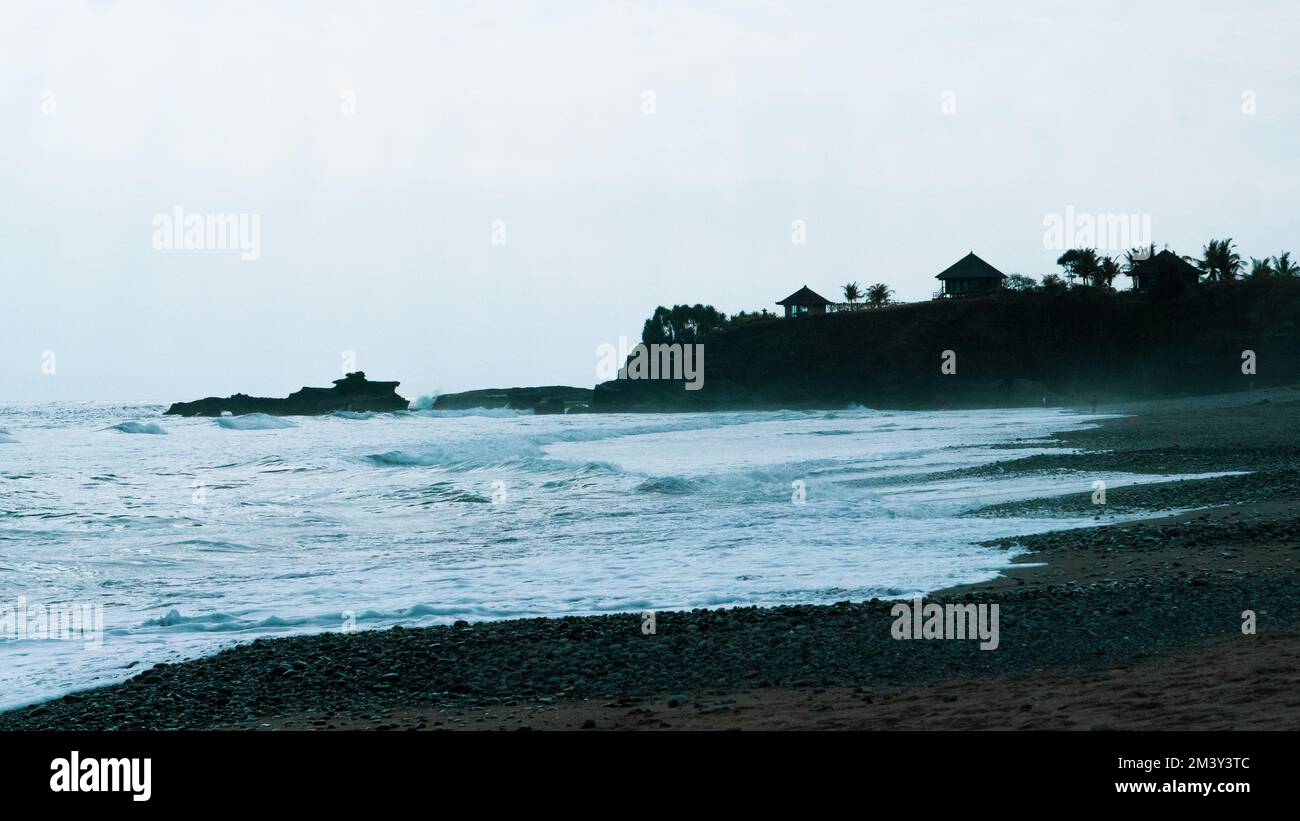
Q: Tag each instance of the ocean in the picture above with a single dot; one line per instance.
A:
(189, 535)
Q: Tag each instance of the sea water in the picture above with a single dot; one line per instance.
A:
(193, 534)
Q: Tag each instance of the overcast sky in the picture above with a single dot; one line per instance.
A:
(622, 155)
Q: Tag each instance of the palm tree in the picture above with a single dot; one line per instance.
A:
(1219, 262)
(1261, 268)
(1284, 267)
(879, 294)
(1080, 263)
(1107, 271)
(852, 294)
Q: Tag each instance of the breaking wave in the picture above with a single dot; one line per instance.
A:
(341, 414)
(671, 485)
(138, 427)
(222, 622)
(254, 421)
(528, 451)
(471, 454)
(494, 413)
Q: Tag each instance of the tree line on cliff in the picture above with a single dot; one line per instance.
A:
(1087, 268)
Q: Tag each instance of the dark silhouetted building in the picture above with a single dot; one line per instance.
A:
(1166, 271)
(970, 276)
(804, 302)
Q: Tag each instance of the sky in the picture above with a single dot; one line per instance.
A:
(480, 194)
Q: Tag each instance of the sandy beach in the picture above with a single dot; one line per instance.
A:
(1133, 625)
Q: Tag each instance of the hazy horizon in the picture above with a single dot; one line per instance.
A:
(470, 197)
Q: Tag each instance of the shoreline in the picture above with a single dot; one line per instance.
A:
(1211, 687)
(1138, 601)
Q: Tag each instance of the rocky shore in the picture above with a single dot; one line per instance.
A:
(1126, 625)
(351, 393)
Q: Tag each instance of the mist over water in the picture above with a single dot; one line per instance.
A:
(197, 533)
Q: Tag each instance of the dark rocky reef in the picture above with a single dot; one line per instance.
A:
(548, 399)
(352, 393)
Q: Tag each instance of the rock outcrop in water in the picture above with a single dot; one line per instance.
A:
(548, 399)
(352, 393)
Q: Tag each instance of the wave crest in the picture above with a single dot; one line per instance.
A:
(138, 427)
(672, 485)
(343, 414)
(254, 421)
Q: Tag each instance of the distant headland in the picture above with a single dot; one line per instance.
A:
(1188, 326)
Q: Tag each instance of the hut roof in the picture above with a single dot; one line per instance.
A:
(1167, 262)
(805, 296)
(971, 267)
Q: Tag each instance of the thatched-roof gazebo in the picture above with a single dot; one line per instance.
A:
(970, 275)
(1166, 271)
(804, 302)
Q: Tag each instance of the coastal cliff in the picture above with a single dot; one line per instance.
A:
(352, 393)
(1010, 349)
